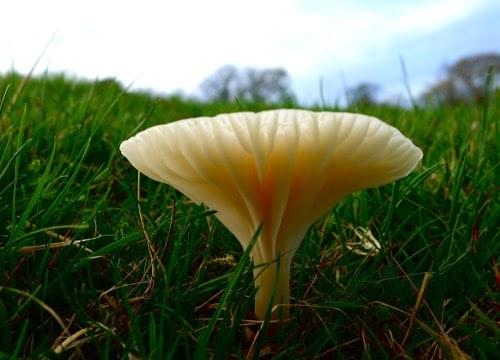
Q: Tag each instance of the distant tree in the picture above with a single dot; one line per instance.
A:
(222, 85)
(443, 92)
(252, 85)
(464, 80)
(267, 85)
(364, 93)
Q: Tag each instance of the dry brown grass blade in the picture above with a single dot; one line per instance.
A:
(449, 344)
(153, 255)
(434, 317)
(170, 231)
(442, 336)
(418, 302)
(66, 343)
(40, 303)
(62, 241)
(251, 351)
(55, 245)
(209, 301)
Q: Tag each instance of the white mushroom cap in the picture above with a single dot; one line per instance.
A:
(279, 168)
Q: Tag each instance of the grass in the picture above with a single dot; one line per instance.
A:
(97, 264)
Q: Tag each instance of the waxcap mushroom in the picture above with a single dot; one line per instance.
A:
(279, 168)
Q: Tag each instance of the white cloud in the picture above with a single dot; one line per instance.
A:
(168, 45)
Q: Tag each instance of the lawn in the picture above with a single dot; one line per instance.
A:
(97, 262)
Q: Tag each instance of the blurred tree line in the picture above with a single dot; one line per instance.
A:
(464, 81)
(252, 85)
(461, 82)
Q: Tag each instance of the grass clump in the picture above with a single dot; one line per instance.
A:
(96, 263)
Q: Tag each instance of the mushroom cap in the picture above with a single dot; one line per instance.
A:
(283, 168)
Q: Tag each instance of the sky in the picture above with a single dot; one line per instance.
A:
(171, 46)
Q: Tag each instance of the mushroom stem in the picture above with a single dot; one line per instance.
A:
(272, 281)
